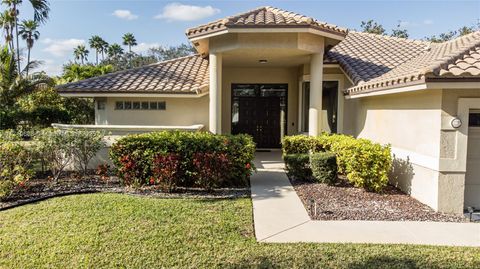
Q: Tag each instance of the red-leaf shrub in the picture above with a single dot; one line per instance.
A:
(211, 168)
(141, 151)
(167, 171)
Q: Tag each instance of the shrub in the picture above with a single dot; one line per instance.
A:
(324, 167)
(167, 171)
(298, 166)
(56, 149)
(85, 145)
(15, 162)
(211, 169)
(139, 151)
(301, 144)
(9, 135)
(365, 163)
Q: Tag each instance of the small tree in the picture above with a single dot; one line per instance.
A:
(56, 148)
(372, 27)
(85, 146)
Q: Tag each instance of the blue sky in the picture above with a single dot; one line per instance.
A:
(154, 23)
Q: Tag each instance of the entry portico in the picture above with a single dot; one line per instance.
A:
(265, 38)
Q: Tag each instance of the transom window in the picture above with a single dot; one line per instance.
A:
(129, 105)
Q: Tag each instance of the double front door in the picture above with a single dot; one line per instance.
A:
(260, 111)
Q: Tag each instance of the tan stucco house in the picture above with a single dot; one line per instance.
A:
(270, 73)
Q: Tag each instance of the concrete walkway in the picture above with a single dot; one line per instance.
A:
(280, 217)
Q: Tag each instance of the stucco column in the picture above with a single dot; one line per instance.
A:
(215, 93)
(316, 88)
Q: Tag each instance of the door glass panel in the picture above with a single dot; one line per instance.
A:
(474, 120)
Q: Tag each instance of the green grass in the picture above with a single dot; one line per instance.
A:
(114, 230)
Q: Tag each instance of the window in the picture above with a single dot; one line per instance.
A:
(162, 105)
(119, 105)
(101, 105)
(474, 119)
(329, 104)
(136, 105)
(128, 105)
(153, 105)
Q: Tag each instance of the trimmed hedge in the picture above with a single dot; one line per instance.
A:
(192, 156)
(298, 166)
(365, 163)
(324, 167)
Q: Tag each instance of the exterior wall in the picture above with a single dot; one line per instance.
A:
(260, 75)
(410, 123)
(179, 112)
(454, 145)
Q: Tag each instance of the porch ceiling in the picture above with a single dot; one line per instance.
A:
(275, 57)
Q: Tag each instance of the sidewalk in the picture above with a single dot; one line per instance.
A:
(280, 217)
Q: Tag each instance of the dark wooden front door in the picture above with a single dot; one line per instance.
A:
(260, 118)
(259, 115)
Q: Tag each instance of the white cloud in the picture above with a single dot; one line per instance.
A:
(61, 47)
(124, 14)
(428, 22)
(143, 47)
(181, 12)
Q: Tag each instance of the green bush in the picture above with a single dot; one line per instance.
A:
(324, 167)
(15, 165)
(59, 148)
(9, 135)
(365, 163)
(298, 166)
(134, 155)
(300, 144)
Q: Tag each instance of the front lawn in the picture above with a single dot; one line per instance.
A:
(117, 230)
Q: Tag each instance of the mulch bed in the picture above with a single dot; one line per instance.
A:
(41, 189)
(342, 201)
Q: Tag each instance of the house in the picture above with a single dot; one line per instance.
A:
(270, 73)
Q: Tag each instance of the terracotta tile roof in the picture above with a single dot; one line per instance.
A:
(264, 17)
(455, 58)
(366, 56)
(186, 75)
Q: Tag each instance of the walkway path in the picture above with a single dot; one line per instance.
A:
(280, 217)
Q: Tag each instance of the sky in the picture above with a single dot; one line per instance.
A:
(163, 23)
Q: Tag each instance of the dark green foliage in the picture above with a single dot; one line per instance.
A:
(298, 166)
(134, 155)
(324, 167)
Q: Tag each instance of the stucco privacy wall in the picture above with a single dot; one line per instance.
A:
(410, 123)
(260, 75)
(179, 112)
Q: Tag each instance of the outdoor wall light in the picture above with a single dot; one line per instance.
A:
(456, 122)
(262, 61)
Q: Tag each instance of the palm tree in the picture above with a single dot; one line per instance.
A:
(104, 48)
(114, 50)
(97, 44)
(41, 10)
(29, 33)
(14, 84)
(129, 40)
(6, 22)
(81, 53)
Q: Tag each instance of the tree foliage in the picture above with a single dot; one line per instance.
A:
(172, 52)
(372, 27)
